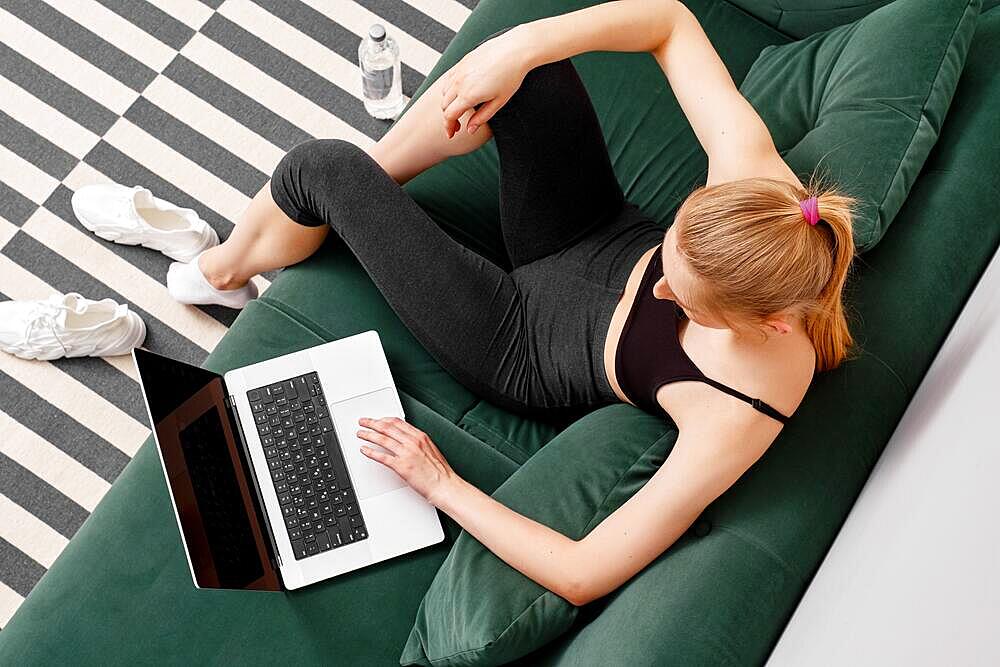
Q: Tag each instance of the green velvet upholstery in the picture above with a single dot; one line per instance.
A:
(817, 92)
(479, 610)
(121, 594)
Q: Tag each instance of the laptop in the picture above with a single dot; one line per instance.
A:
(263, 465)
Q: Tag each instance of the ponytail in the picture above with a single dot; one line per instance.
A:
(757, 254)
(826, 322)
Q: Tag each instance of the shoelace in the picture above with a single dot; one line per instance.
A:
(40, 315)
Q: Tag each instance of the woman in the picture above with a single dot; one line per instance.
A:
(742, 294)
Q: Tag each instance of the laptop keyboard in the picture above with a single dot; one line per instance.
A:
(306, 464)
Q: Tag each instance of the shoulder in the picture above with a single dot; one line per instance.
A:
(760, 161)
(779, 376)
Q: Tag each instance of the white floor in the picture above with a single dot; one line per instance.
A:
(913, 578)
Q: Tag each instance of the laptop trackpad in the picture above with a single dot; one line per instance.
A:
(370, 477)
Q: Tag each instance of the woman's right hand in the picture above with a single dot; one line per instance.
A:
(489, 75)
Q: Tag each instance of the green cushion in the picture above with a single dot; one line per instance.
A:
(478, 609)
(866, 101)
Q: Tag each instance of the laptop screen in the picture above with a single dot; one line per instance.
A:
(206, 473)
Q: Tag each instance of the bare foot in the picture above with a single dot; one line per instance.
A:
(218, 278)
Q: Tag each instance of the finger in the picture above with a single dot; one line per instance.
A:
(406, 426)
(455, 110)
(446, 82)
(448, 95)
(376, 455)
(451, 128)
(483, 114)
(379, 439)
(389, 427)
(415, 434)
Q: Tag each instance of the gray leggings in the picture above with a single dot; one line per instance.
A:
(530, 340)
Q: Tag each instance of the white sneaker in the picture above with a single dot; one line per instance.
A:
(133, 216)
(68, 325)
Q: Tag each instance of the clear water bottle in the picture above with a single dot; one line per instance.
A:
(378, 56)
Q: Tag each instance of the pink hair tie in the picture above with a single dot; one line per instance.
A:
(810, 209)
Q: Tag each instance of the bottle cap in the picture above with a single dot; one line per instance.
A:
(377, 32)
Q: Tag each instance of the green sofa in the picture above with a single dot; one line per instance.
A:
(121, 591)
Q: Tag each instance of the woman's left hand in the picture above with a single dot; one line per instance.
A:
(411, 454)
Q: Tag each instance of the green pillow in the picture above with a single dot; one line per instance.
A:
(479, 610)
(865, 101)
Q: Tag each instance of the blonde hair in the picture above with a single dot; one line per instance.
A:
(755, 254)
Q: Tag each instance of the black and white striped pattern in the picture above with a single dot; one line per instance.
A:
(196, 100)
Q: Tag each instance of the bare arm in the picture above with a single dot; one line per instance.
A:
(735, 138)
(703, 464)
(623, 25)
(729, 129)
(491, 73)
(731, 132)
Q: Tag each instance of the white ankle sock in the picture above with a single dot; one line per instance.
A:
(188, 284)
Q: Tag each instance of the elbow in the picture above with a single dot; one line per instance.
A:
(577, 583)
(577, 591)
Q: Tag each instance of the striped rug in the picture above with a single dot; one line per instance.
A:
(197, 101)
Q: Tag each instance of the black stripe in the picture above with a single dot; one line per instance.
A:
(36, 496)
(35, 413)
(82, 42)
(332, 35)
(65, 276)
(471, 4)
(55, 92)
(293, 74)
(153, 20)
(214, 4)
(197, 147)
(237, 105)
(14, 206)
(413, 21)
(17, 569)
(35, 148)
(107, 381)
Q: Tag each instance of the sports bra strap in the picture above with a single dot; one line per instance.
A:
(755, 402)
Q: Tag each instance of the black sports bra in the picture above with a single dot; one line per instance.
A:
(649, 351)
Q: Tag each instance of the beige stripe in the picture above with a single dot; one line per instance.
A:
(71, 478)
(10, 600)
(272, 94)
(214, 124)
(190, 12)
(84, 174)
(25, 177)
(7, 231)
(445, 12)
(88, 252)
(117, 31)
(295, 44)
(29, 534)
(358, 20)
(45, 120)
(78, 401)
(63, 63)
(170, 165)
